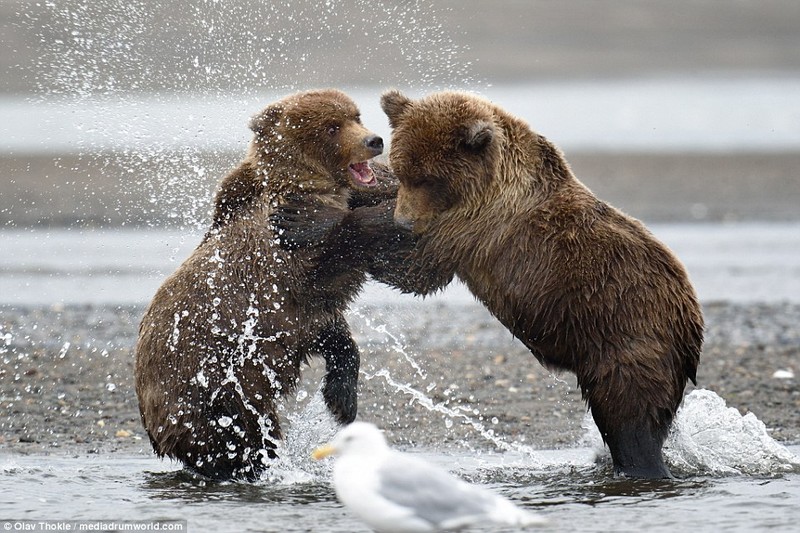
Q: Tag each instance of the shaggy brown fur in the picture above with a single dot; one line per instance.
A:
(225, 335)
(585, 287)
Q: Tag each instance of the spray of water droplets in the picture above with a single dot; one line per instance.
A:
(99, 54)
(409, 382)
(110, 47)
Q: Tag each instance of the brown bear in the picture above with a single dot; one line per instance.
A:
(225, 335)
(585, 287)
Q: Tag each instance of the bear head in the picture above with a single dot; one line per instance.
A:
(316, 133)
(445, 151)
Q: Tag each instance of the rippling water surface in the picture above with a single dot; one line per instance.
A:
(569, 490)
(731, 476)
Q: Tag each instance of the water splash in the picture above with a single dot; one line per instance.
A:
(395, 342)
(460, 413)
(111, 47)
(709, 438)
(306, 428)
(95, 54)
(416, 387)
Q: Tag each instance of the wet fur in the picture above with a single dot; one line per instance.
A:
(225, 335)
(585, 287)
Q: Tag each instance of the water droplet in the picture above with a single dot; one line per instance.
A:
(63, 353)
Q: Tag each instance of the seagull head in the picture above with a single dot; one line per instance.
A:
(358, 437)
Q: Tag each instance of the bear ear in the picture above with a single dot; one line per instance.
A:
(394, 104)
(478, 135)
(267, 120)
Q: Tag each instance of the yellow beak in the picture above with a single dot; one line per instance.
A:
(323, 451)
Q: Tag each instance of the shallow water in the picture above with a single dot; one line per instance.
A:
(563, 485)
(731, 476)
(690, 113)
(742, 262)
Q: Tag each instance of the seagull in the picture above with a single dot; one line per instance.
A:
(397, 492)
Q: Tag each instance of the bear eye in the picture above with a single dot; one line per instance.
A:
(333, 129)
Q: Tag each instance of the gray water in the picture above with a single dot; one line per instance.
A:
(736, 262)
(562, 485)
(662, 114)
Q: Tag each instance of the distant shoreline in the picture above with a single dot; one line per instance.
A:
(648, 114)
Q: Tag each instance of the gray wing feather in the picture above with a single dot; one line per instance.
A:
(432, 494)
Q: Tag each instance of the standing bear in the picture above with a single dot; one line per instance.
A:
(585, 287)
(225, 335)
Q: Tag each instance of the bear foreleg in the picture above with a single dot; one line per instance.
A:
(342, 361)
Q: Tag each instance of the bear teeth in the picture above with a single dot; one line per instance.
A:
(362, 174)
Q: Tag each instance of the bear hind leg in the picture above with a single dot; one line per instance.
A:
(633, 427)
(232, 442)
(635, 448)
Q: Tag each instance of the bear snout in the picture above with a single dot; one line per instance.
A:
(374, 143)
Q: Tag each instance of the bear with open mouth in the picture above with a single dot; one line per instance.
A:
(225, 335)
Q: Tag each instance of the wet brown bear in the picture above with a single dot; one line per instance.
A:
(585, 287)
(225, 335)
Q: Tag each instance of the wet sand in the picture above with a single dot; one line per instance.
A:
(67, 384)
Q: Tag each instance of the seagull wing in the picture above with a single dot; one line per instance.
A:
(431, 493)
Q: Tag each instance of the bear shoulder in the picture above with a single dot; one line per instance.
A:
(237, 192)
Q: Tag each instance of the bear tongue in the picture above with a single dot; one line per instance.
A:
(362, 174)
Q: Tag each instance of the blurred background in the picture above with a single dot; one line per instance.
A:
(119, 114)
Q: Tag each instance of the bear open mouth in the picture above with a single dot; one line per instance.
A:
(362, 174)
